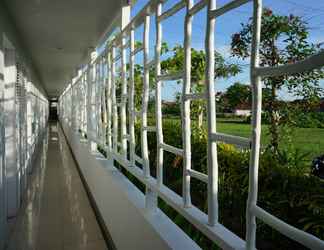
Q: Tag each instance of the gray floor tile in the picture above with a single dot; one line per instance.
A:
(56, 213)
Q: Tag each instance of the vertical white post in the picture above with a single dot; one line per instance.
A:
(96, 83)
(123, 98)
(186, 127)
(131, 108)
(211, 118)
(150, 195)
(158, 101)
(85, 89)
(73, 104)
(256, 125)
(104, 101)
(114, 101)
(145, 98)
(101, 102)
(84, 96)
(89, 115)
(109, 98)
(125, 17)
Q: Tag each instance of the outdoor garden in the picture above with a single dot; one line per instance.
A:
(292, 134)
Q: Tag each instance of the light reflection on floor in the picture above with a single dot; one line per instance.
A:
(56, 213)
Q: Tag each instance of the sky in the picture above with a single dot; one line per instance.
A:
(312, 11)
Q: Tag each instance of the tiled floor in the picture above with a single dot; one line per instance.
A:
(56, 213)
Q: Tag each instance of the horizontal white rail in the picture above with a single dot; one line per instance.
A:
(121, 160)
(231, 139)
(137, 50)
(150, 129)
(171, 76)
(291, 232)
(171, 149)
(197, 7)
(218, 233)
(194, 96)
(138, 113)
(117, 58)
(228, 7)
(313, 62)
(174, 9)
(115, 127)
(127, 137)
(150, 63)
(198, 175)
(138, 159)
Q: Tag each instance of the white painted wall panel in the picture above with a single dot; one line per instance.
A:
(12, 171)
(3, 203)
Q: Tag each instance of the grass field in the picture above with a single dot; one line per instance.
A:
(307, 140)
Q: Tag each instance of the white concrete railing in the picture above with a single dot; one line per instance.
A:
(81, 103)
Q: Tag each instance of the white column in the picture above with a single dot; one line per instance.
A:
(114, 102)
(256, 125)
(131, 95)
(186, 122)
(109, 103)
(211, 118)
(158, 99)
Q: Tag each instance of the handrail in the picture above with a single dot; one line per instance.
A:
(102, 89)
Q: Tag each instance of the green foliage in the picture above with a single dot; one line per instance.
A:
(286, 189)
(283, 41)
(264, 119)
(238, 94)
(309, 120)
(175, 63)
(171, 109)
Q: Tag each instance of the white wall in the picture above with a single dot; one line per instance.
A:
(242, 112)
(12, 168)
(10, 186)
(3, 204)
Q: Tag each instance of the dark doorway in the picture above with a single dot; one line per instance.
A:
(53, 110)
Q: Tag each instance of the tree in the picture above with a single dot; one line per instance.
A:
(238, 94)
(175, 63)
(283, 41)
(138, 78)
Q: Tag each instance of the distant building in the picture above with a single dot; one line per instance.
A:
(243, 109)
(168, 103)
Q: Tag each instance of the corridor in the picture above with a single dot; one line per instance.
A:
(56, 213)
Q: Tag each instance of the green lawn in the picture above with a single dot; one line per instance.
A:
(308, 140)
(305, 139)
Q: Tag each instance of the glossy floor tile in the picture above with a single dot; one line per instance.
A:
(56, 213)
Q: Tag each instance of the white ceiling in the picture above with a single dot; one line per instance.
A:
(59, 34)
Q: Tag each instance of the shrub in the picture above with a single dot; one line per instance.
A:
(265, 119)
(171, 109)
(285, 190)
(309, 120)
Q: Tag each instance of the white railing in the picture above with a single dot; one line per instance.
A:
(93, 104)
